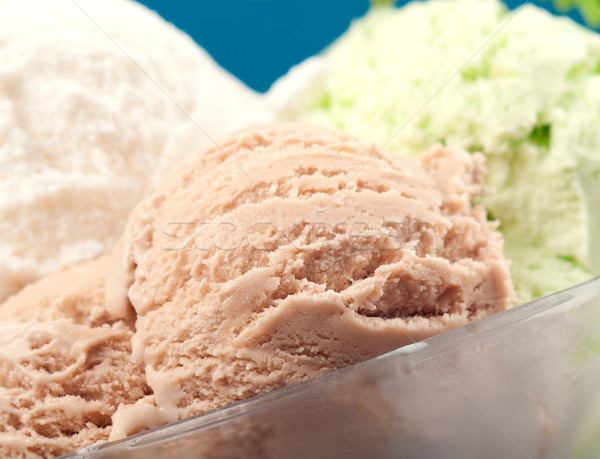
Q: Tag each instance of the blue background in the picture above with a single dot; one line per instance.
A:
(259, 40)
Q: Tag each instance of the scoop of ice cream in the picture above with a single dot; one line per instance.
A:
(291, 251)
(97, 100)
(65, 365)
(522, 87)
(589, 9)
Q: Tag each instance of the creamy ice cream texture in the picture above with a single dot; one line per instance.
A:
(291, 251)
(286, 252)
(65, 365)
(94, 106)
(522, 87)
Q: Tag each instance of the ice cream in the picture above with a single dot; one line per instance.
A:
(65, 365)
(97, 101)
(293, 250)
(60, 384)
(523, 87)
(76, 294)
(589, 9)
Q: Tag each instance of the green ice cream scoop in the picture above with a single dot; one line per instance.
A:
(589, 9)
(521, 86)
